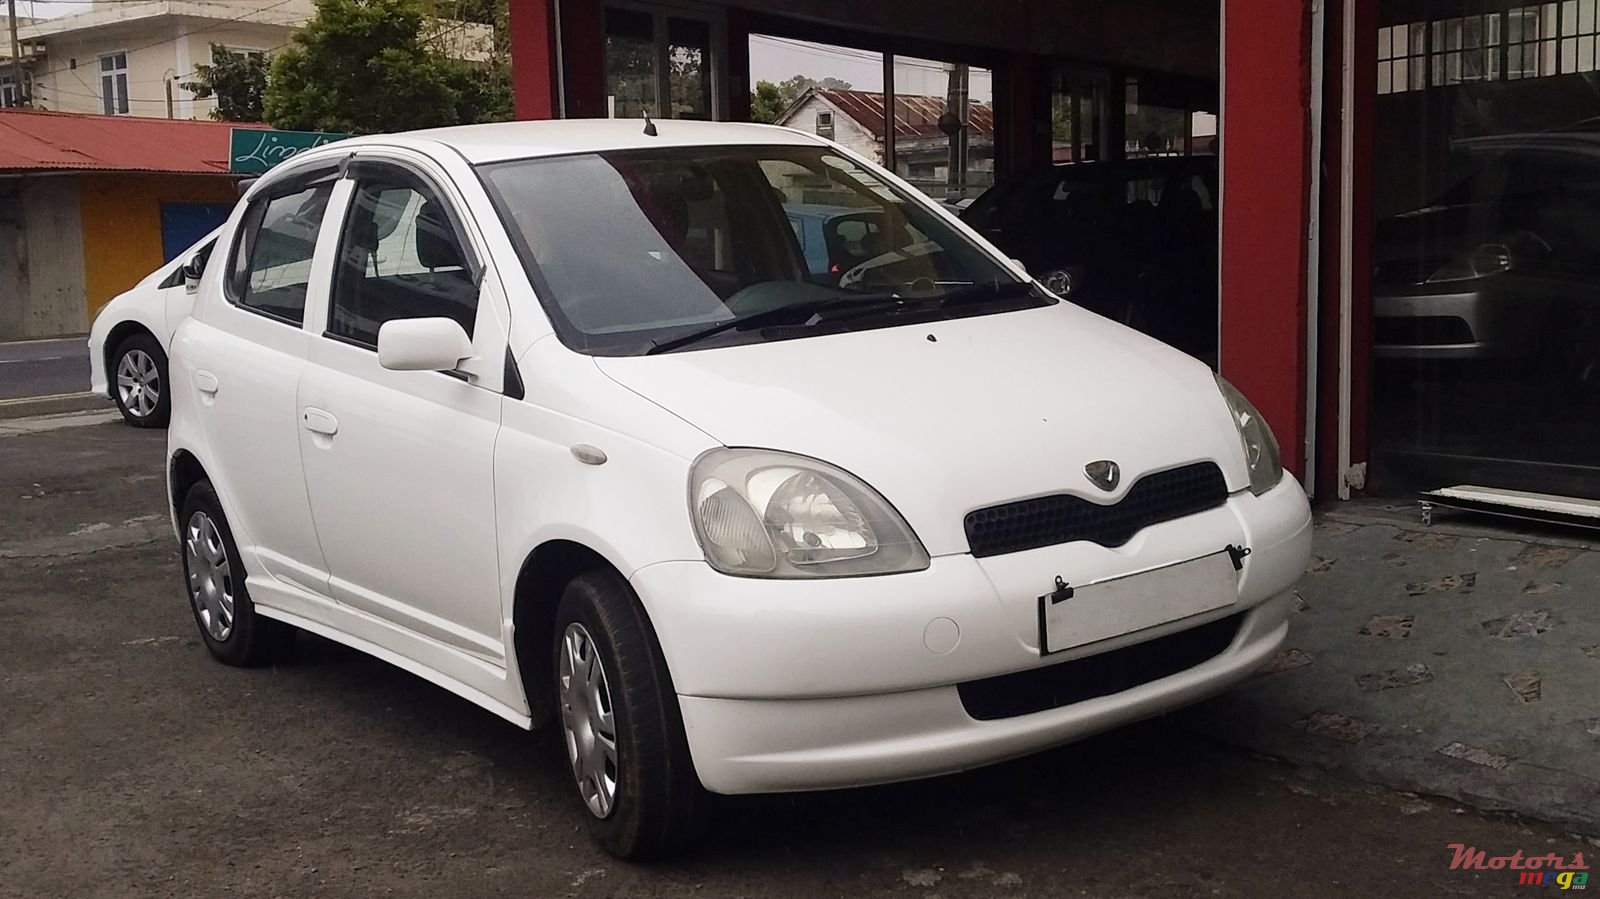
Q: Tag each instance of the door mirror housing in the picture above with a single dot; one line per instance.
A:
(423, 344)
(192, 270)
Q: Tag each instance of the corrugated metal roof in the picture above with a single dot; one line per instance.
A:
(36, 141)
(915, 115)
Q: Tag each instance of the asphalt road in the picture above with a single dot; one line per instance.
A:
(43, 368)
(133, 765)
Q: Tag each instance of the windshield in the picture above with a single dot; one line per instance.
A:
(633, 250)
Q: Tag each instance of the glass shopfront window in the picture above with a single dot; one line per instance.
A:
(944, 127)
(661, 62)
(1486, 276)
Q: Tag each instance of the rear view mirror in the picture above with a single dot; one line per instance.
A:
(423, 344)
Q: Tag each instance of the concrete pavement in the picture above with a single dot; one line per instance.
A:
(1460, 660)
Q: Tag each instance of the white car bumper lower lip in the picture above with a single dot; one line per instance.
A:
(758, 746)
(795, 685)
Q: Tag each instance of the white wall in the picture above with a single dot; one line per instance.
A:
(158, 49)
(846, 130)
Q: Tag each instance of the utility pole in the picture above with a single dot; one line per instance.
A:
(953, 123)
(16, 55)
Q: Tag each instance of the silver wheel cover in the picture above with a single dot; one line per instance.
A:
(588, 720)
(210, 576)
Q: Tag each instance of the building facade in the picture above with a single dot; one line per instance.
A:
(133, 58)
(89, 205)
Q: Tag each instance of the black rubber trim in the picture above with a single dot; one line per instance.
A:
(1065, 683)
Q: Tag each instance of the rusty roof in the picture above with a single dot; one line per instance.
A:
(915, 115)
(38, 141)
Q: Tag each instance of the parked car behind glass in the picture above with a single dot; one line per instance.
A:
(584, 435)
(1134, 240)
(1505, 265)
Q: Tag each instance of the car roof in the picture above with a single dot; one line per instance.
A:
(524, 140)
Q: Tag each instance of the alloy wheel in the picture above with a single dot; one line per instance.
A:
(588, 720)
(138, 383)
(210, 576)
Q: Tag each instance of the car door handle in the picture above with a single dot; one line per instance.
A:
(319, 422)
(206, 383)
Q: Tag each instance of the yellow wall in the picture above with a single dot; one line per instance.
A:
(122, 225)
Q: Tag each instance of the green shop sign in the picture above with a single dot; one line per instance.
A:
(252, 151)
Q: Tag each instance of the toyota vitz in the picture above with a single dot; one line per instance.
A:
(560, 417)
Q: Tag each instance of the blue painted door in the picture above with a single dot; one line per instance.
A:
(184, 223)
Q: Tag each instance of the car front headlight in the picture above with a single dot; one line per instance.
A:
(1479, 262)
(761, 513)
(1260, 447)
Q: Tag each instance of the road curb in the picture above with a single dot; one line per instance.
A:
(55, 404)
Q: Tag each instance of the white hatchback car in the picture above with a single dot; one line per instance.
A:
(557, 416)
(129, 338)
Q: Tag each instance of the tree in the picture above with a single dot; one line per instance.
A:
(236, 80)
(363, 66)
(790, 89)
(766, 103)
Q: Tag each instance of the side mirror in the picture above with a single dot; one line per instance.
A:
(422, 344)
(192, 270)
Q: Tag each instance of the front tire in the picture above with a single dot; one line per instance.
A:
(621, 725)
(214, 579)
(138, 372)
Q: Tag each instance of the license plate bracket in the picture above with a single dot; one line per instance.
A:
(1073, 615)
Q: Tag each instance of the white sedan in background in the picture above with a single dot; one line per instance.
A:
(129, 339)
(557, 416)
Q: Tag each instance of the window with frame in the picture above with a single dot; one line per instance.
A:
(400, 256)
(1577, 23)
(1402, 50)
(114, 84)
(1531, 41)
(271, 266)
(11, 93)
(825, 125)
(1465, 50)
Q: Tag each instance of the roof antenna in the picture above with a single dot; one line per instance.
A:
(649, 126)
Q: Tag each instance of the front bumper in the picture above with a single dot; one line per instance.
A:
(791, 685)
(1480, 323)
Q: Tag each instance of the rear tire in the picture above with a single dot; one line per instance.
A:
(642, 799)
(138, 376)
(214, 580)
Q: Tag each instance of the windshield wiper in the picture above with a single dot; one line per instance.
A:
(777, 314)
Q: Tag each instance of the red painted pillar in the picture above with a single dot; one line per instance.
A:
(533, 81)
(583, 52)
(1265, 187)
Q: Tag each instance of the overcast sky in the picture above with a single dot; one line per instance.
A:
(45, 9)
(776, 59)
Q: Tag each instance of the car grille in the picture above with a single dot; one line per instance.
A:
(1026, 692)
(1420, 330)
(1065, 518)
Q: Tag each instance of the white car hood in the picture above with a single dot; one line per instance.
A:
(947, 417)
